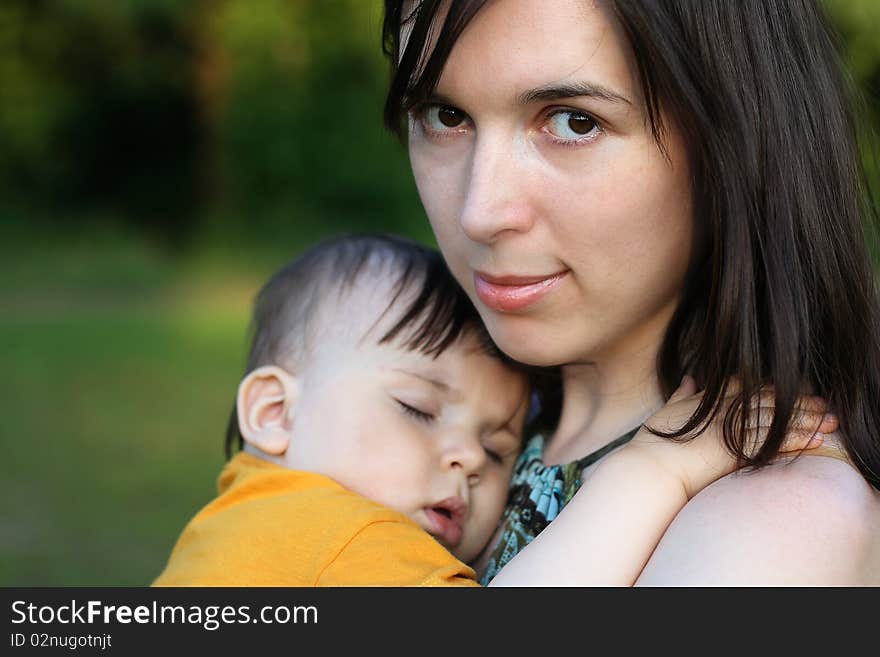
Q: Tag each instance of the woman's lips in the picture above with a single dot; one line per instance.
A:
(512, 293)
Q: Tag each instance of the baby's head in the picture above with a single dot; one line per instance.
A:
(369, 365)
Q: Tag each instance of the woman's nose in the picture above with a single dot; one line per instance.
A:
(497, 199)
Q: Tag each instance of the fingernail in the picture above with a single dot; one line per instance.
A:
(829, 418)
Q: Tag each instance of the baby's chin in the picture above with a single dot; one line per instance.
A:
(466, 551)
(464, 557)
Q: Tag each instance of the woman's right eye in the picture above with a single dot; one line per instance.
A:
(441, 120)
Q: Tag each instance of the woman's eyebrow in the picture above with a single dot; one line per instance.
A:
(434, 98)
(571, 90)
(550, 92)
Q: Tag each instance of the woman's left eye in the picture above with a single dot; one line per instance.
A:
(571, 125)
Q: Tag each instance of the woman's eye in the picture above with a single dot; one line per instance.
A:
(571, 125)
(439, 119)
(412, 411)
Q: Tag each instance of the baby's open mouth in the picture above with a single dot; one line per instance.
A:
(446, 520)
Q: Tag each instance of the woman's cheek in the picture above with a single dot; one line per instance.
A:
(428, 183)
(440, 191)
(454, 250)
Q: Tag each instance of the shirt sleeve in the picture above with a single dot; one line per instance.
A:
(393, 553)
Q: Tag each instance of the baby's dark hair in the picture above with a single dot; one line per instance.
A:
(288, 309)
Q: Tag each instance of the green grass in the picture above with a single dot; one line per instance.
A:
(121, 366)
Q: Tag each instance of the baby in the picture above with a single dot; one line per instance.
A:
(379, 426)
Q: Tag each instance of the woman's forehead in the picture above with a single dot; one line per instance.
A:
(512, 47)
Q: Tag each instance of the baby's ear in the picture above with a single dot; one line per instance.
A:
(265, 403)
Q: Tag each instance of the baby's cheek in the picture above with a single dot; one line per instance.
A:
(497, 498)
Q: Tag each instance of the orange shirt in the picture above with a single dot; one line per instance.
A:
(271, 526)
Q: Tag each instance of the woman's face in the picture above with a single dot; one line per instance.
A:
(549, 197)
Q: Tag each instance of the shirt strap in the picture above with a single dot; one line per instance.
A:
(591, 458)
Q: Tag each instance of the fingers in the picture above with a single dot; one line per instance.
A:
(814, 422)
(806, 431)
(809, 423)
(767, 399)
(811, 403)
(800, 439)
(810, 420)
(795, 440)
(809, 411)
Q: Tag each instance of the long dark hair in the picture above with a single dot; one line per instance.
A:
(780, 289)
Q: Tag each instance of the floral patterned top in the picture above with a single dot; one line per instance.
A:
(537, 494)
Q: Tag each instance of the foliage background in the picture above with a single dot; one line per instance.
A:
(158, 159)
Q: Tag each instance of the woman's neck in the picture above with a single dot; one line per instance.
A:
(603, 400)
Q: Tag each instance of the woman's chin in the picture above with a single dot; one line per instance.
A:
(528, 342)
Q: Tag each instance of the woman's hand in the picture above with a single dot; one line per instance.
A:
(705, 459)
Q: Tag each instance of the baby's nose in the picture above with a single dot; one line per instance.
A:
(468, 456)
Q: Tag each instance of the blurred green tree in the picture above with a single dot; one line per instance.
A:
(300, 141)
(229, 120)
(98, 114)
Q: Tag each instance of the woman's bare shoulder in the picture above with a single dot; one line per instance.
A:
(811, 520)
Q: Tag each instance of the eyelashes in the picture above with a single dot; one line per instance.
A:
(495, 456)
(443, 116)
(439, 122)
(571, 126)
(412, 411)
(428, 418)
(562, 126)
